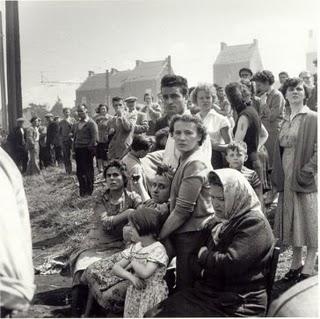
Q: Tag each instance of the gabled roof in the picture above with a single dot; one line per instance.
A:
(236, 53)
(142, 71)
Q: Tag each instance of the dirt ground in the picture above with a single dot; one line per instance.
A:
(60, 219)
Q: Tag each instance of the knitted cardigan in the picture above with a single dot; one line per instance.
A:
(305, 159)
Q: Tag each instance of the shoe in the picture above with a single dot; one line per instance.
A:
(303, 277)
(293, 274)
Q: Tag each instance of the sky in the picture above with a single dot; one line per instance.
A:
(63, 40)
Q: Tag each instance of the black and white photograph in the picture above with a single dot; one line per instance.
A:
(158, 158)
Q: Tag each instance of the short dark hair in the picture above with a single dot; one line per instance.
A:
(284, 73)
(147, 94)
(190, 119)
(102, 105)
(34, 118)
(117, 99)
(146, 221)
(121, 167)
(140, 143)
(82, 105)
(237, 146)
(171, 80)
(214, 179)
(245, 69)
(264, 76)
(66, 109)
(293, 82)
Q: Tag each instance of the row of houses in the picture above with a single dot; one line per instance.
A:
(146, 76)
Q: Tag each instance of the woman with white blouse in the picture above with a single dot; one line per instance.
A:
(217, 125)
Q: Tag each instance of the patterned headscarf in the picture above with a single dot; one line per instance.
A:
(239, 196)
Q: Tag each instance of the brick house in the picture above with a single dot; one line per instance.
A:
(101, 87)
(232, 58)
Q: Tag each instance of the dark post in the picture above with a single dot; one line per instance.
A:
(2, 81)
(108, 97)
(13, 63)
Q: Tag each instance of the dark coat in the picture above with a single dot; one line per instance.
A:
(239, 261)
(17, 139)
(162, 122)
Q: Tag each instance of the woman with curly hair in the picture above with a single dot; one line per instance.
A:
(106, 234)
(272, 106)
(294, 176)
(190, 202)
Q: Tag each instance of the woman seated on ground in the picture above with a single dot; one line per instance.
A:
(105, 237)
(232, 266)
(217, 125)
(107, 289)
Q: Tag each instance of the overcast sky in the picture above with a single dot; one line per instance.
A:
(65, 39)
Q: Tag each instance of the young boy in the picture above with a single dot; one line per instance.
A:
(236, 155)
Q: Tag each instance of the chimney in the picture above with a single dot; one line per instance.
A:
(169, 64)
(138, 63)
(255, 42)
(113, 71)
(90, 73)
(223, 45)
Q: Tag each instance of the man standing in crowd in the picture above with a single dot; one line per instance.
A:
(65, 132)
(282, 77)
(121, 130)
(17, 140)
(58, 143)
(85, 141)
(138, 118)
(152, 111)
(312, 102)
(245, 75)
(52, 132)
(16, 268)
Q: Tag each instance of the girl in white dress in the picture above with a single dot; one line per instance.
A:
(143, 264)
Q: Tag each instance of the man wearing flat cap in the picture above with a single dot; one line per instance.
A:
(139, 119)
(17, 140)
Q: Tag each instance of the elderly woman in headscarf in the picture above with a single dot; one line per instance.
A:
(232, 265)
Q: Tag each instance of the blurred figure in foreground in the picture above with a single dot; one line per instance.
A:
(16, 268)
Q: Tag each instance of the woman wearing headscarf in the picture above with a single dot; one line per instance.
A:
(232, 266)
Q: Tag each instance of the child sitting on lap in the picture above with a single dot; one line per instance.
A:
(143, 264)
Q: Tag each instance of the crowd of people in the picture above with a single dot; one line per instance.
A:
(189, 181)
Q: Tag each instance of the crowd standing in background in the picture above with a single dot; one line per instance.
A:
(190, 181)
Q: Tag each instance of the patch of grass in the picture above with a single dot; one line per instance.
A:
(56, 210)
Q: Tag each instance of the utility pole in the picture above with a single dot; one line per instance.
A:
(13, 63)
(2, 81)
